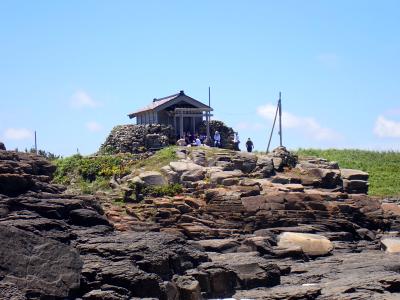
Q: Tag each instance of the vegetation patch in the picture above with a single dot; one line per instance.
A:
(78, 168)
(164, 190)
(155, 162)
(383, 166)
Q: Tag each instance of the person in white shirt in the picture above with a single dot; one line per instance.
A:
(236, 141)
(217, 139)
(198, 141)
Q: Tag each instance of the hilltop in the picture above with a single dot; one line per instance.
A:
(192, 223)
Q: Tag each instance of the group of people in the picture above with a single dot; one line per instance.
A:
(200, 139)
(193, 139)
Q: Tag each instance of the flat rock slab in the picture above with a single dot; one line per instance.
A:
(39, 265)
(391, 245)
(312, 244)
(352, 174)
(218, 245)
(281, 292)
(182, 166)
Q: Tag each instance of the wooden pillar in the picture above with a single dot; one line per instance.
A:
(181, 126)
(193, 125)
(175, 129)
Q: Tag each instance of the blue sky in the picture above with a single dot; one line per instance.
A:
(71, 70)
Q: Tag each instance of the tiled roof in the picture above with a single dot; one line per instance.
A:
(156, 102)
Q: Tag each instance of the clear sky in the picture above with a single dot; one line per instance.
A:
(71, 70)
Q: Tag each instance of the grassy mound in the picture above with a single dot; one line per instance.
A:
(383, 167)
(89, 174)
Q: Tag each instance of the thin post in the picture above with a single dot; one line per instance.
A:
(208, 127)
(36, 144)
(273, 126)
(280, 119)
(209, 96)
(208, 117)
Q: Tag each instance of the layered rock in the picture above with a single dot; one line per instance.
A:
(225, 236)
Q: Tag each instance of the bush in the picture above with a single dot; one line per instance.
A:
(164, 190)
(91, 168)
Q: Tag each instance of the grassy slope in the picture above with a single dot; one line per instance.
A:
(383, 167)
(89, 174)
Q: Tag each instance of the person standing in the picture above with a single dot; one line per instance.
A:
(236, 141)
(249, 145)
(217, 139)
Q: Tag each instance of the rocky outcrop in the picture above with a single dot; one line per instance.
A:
(245, 227)
(58, 246)
(137, 138)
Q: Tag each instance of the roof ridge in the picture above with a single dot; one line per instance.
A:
(170, 96)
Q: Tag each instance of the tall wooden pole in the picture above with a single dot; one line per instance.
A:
(36, 144)
(208, 117)
(280, 118)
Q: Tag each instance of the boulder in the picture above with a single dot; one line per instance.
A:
(152, 178)
(2, 146)
(282, 158)
(171, 176)
(245, 162)
(264, 167)
(391, 244)
(183, 165)
(252, 271)
(188, 287)
(219, 176)
(311, 244)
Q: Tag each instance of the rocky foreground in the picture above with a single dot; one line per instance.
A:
(247, 227)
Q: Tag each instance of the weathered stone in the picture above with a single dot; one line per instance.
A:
(311, 244)
(352, 174)
(152, 178)
(355, 186)
(38, 265)
(2, 146)
(218, 177)
(281, 292)
(251, 270)
(230, 181)
(219, 245)
(264, 167)
(188, 287)
(171, 176)
(391, 245)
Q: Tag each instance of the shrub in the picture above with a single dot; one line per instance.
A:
(91, 168)
(164, 190)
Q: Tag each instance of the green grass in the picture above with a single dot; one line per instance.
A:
(155, 162)
(89, 174)
(383, 167)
